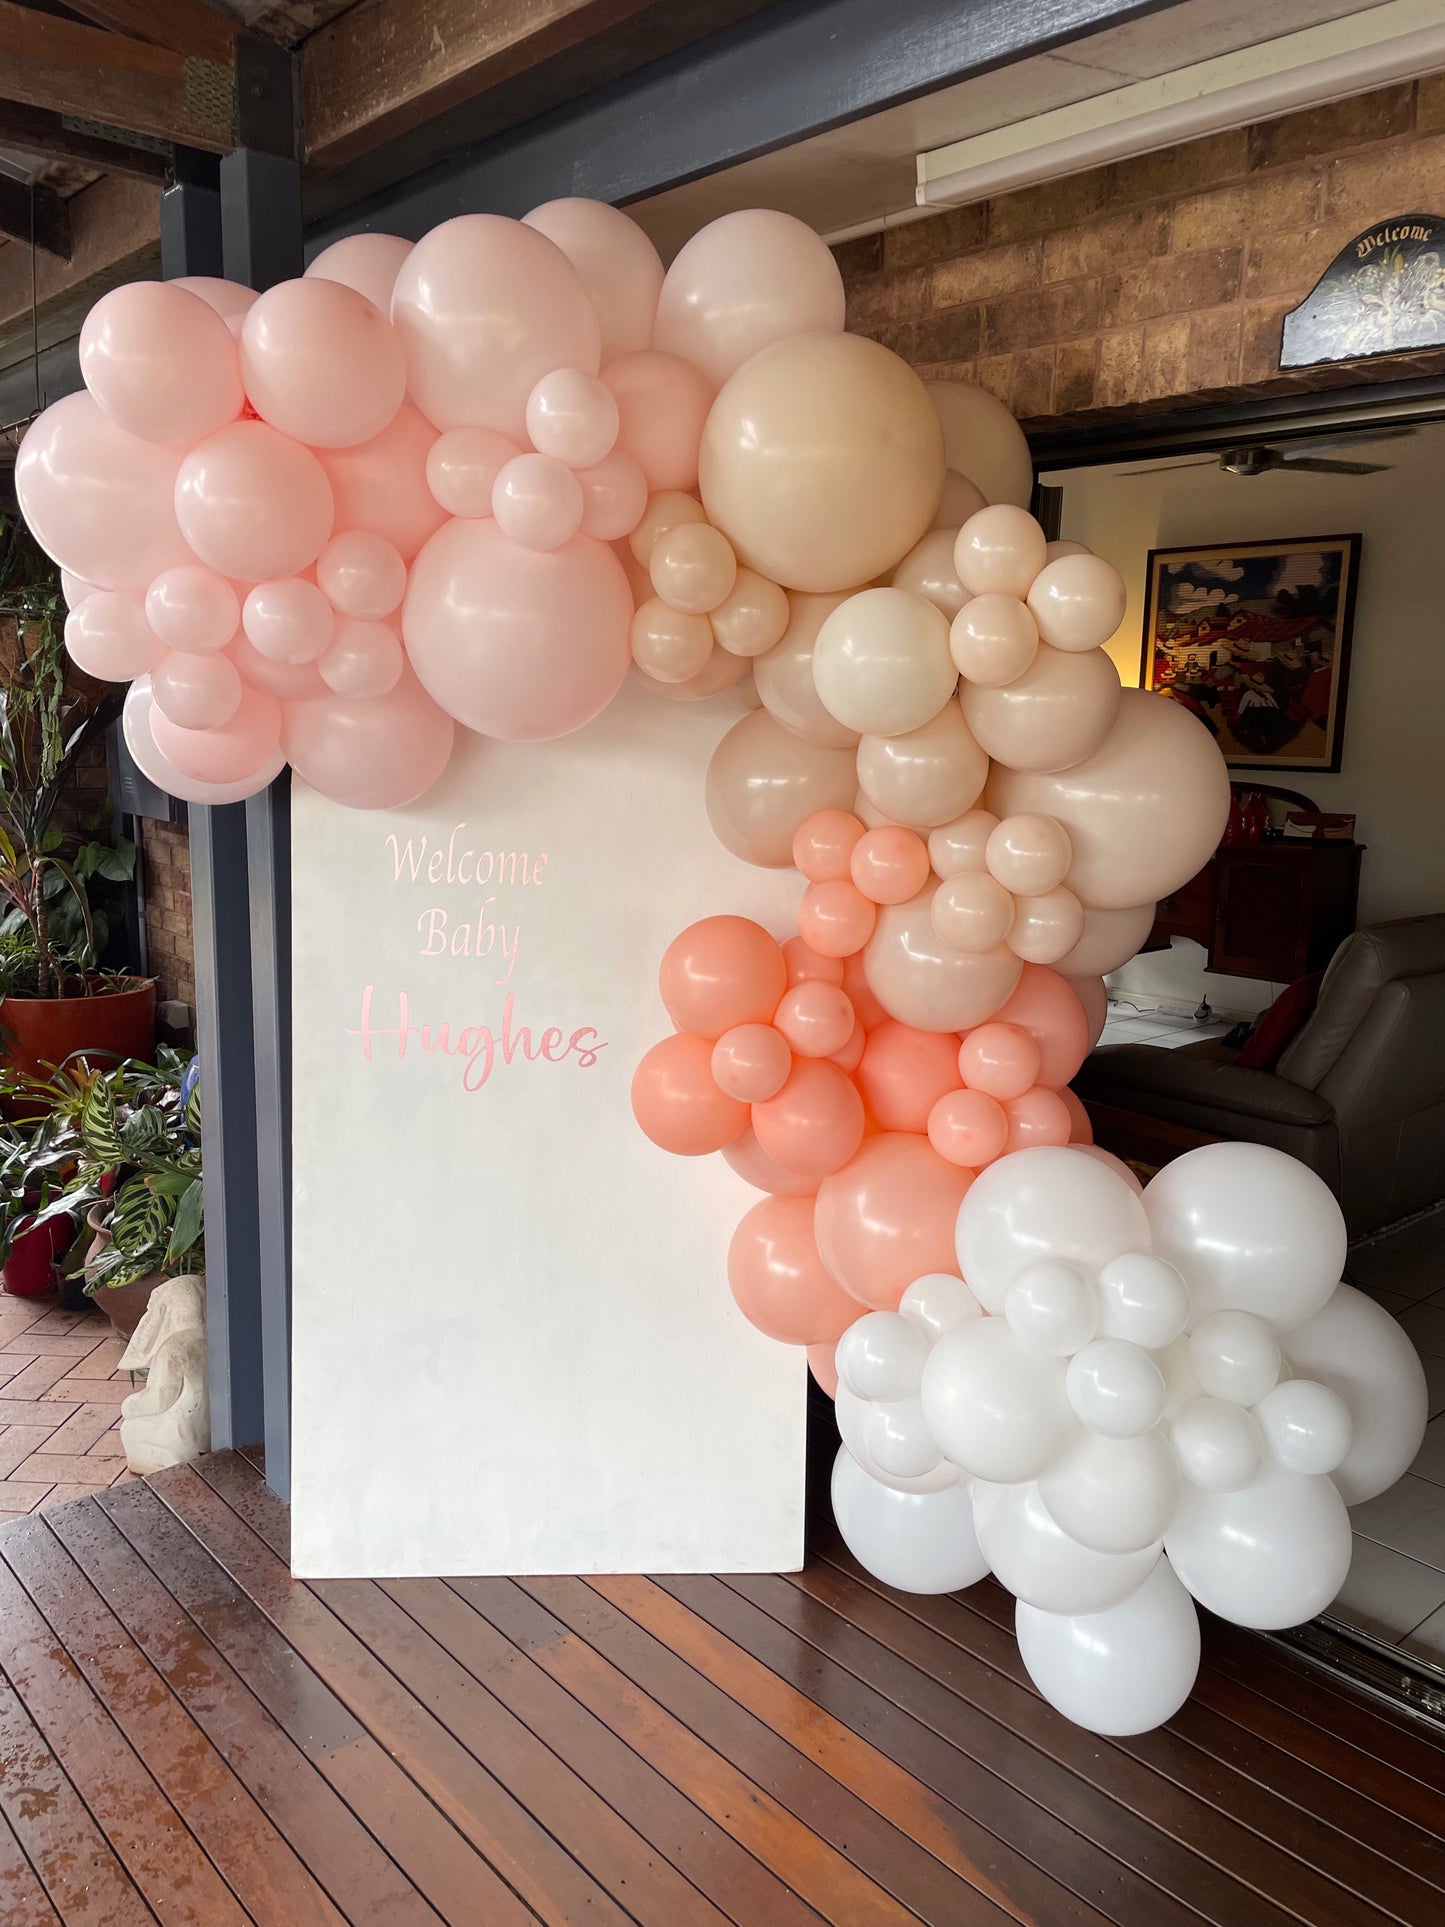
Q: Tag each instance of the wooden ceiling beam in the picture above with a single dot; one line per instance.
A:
(67, 68)
(32, 211)
(185, 26)
(35, 131)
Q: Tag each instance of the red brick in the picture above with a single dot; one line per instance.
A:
(36, 1376)
(94, 1391)
(936, 237)
(80, 1432)
(67, 1468)
(1250, 210)
(1172, 286)
(988, 272)
(1328, 130)
(1105, 246)
(22, 1411)
(18, 1442)
(23, 1495)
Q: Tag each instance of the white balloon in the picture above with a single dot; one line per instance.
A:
(852, 1416)
(1359, 1351)
(1250, 1228)
(881, 1356)
(1115, 1388)
(1271, 1555)
(1142, 1298)
(1123, 1670)
(1235, 1355)
(1306, 1426)
(1052, 1307)
(1180, 1384)
(881, 663)
(1041, 1564)
(938, 1302)
(1116, 1495)
(1218, 1445)
(898, 1439)
(996, 1410)
(917, 1541)
(1048, 1202)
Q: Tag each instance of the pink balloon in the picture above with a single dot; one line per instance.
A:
(746, 280)
(615, 262)
(160, 362)
(253, 503)
(369, 263)
(99, 502)
(290, 620)
(485, 307)
(228, 753)
(140, 741)
(108, 637)
(381, 485)
(572, 416)
(512, 642)
(193, 609)
(752, 1163)
(198, 692)
(662, 404)
(73, 590)
(361, 574)
(229, 299)
(374, 754)
(614, 495)
(287, 680)
(462, 467)
(362, 659)
(537, 501)
(321, 362)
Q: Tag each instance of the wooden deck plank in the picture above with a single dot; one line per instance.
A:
(22, 1898)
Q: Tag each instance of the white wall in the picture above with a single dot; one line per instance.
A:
(1393, 771)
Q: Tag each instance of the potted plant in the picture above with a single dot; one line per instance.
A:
(37, 1158)
(55, 996)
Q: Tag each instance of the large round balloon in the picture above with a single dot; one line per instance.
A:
(887, 1217)
(369, 263)
(1271, 1555)
(784, 676)
(1111, 938)
(321, 362)
(1058, 711)
(140, 741)
(615, 262)
(927, 776)
(374, 753)
(763, 783)
(780, 1283)
(1040, 1564)
(515, 642)
(881, 662)
(983, 441)
(746, 280)
(822, 461)
(918, 1541)
(1144, 811)
(920, 980)
(995, 1408)
(1120, 1671)
(1052, 1202)
(1359, 1351)
(161, 362)
(381, 485)
(253, 503)
(662, 404)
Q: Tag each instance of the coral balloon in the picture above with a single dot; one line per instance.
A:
(904, 1072)
(815, 1018)
(615, 262)
(362, 659)
(887, 1218)
(881, 662)
(321, 362)
(1036, 1117)
(662, 406)
(835, 918)
(999, 551)
(889, 865)
(922, 981)
(192, 609)
(198, 692)
(751, 1062)
(228, 752)
(1050, 1010)
(108, 637)
(1078, 601)
(377, 753)
(763, 783)
(744, 281)
(1001, 1060)
(753, 1165)
(780, 1283)
(824, 845)
(290, 621)
(381, 485)
(462, 467)
(160, 362)
(785, 676)
(573, 417)
(993, 640)
(253, 503)
(678, 1103)
(968, 1128)
(1059, 711)
(369, 263)
(926, 777)
(806, 965)
(361, 574)
(815, 1123)
(537, 502)
(720, 973)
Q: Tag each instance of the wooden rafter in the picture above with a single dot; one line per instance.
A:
(34, 211)
(35, 131)
(185, 26)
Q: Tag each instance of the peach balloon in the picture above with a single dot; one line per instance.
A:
(993, 640)
(983, 442)
(889, 865)
(669, 644)
(662, 406)
(961, 844)
(462, 467)
(927, 776)
(1051, 1011)
(192, 609)
(380, 753)
(1001, 1060)
(745, 281)
(160, 362)
(284, 679)
(815, 1123)
(321, 363)
(719, 673)
(968, 1128)
(1093, 994)
(1047, 926)
(572, 416)
(1109, 939)
(778, 1280)
(927, 571)
(109, 637)
(1038, 1116)
(822, 461)
(363, 658)
(903, 1072)
(806, 965)
(197, 692)
(888, 1217)
(381, 485)
(614, 495)
(720, 973)
(1081, 1129)
(253, 503)
(361, 574)
(692, 567)
(1144, 812)
(1078, 601)
(851, 1055)
(823, 1365)
(289, 620)
(752, 616)
(667, 510)
(1053, 716)
(823, 847)
(369, 263)
(1061, 546)
(484, 307)
(537, 502)
(881, 663)
(785, 675)
(835, 918)
(751, 1062)
(918, 979)
(972, 911)
(960, 499)
(615, 262)
(677, 1102)
(999, 551)
(752, 1163)
(228, 751)
(1029, 854)
(763, 783)
(869, 1011)
(816, 1019)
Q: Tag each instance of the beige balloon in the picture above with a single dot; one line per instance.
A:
(881, 662)
(1029, 854)
(752, 617)
(927, 570)
(1062, 545)
(1078, 601)
(721, 672)
(999, 551)
(1046, 927)
(1054, 715)
(1093, 994)
(668, 509)
(983, 441)
(692, 567)
(822, 461)
(959, 500)
(763, 783)
(926, 777)
(1144, 811)
(670, 644)
(870, 816)
(920, 980)
(971, 911)
(1110, 938)
(785, 675)
(993, 640)
(962, 844)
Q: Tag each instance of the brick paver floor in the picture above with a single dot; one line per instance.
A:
(60, 1397)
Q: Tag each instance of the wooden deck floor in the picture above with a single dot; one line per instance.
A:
(189, 1735)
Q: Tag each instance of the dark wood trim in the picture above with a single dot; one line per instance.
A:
(31, 211)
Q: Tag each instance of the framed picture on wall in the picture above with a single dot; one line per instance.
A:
(1254, 639)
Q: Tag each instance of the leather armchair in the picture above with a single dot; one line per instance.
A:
(1358, 1094)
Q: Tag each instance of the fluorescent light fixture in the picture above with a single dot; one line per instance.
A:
(1398, 41)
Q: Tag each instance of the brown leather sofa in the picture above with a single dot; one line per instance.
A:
(1358, 1094)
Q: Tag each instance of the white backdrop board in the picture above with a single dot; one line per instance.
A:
(514, 1346)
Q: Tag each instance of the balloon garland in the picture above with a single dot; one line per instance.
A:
(477, 480)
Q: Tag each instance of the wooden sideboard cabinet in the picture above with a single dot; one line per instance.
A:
(1275, 910)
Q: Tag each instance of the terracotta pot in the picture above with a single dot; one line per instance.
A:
(123, 1305)
(47, 1030)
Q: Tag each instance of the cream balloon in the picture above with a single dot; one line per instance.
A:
(927, 570)
(960, 499)
(926, 777)
(785, 675)
(753, 616)
(1110, 938)
(881, 662)
(999, 551)
(993, 640)
(615, 262)
(1029, 854)
(822, 461)
(1046, 927)
(972, 912)
(719, 674)
(983, 441)
(693, 567)
(763, 784)
(1060, 710)
(745, 281)
(962, 844)
(1078, 601)
(666, 510)
(921, 981)
(670, 644)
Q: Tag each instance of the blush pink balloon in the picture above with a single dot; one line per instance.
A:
(361, 574)
(968, 1128)
(369, 263)
(1036, 1117)
(140, 741)
(816, 1019)
(815, 1123)
(192, 609)
(1001, 1060)
(73, 591)
(252, 503)
(229, 299)
(288, 680)
(484, 308)
(289, 620)
(160, 362)
(198, 692)
(751, 1062)
(1048, 1007)
(108, 637)
(904, 1072)
(889, 865)
(615, 262)
(462, 467)
(321, 363)
(662, 404)
(512, 642)
(229, 752)
(888, 1217)
(752, 1163)
(573, 417)
(377, 753)
(100, 503)
(744, 281)
(614, 495)
(362, 658)
(381, 485)
(537, 501)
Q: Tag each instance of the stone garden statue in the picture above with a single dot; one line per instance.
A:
(169, 1420)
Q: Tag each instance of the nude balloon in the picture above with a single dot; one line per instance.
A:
(1052, 716)
(960, 499)
(1029, 854)
(160, 362)
(822, 461)
(1093, 994)
(484, 307)
(1046, 926)
(381, 484)
(927, 570)
(369, 263)
(376, 753)
(1144, 812)
(999, 551)
(972, 911)
(745, 281)
(927, 776)
(662, 405)
(669, 644)
(983, 441)
(321, 362)
(919, 980)
(881, 663)
(993, 640)
(753, 616)
(778, 1279)
(785, 675)
(692, 567)
(513, 642)
(140, 741)
(961, 844)
(888, 1217)
(1078, 601)
(462, 467)
(1109, 939)
(253, 503)
(721, 672)
(615, 262)
(763, 783)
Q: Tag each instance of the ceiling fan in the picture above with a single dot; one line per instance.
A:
(1258, 458)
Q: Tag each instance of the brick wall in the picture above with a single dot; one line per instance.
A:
(1158, 278)
(166, 854)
